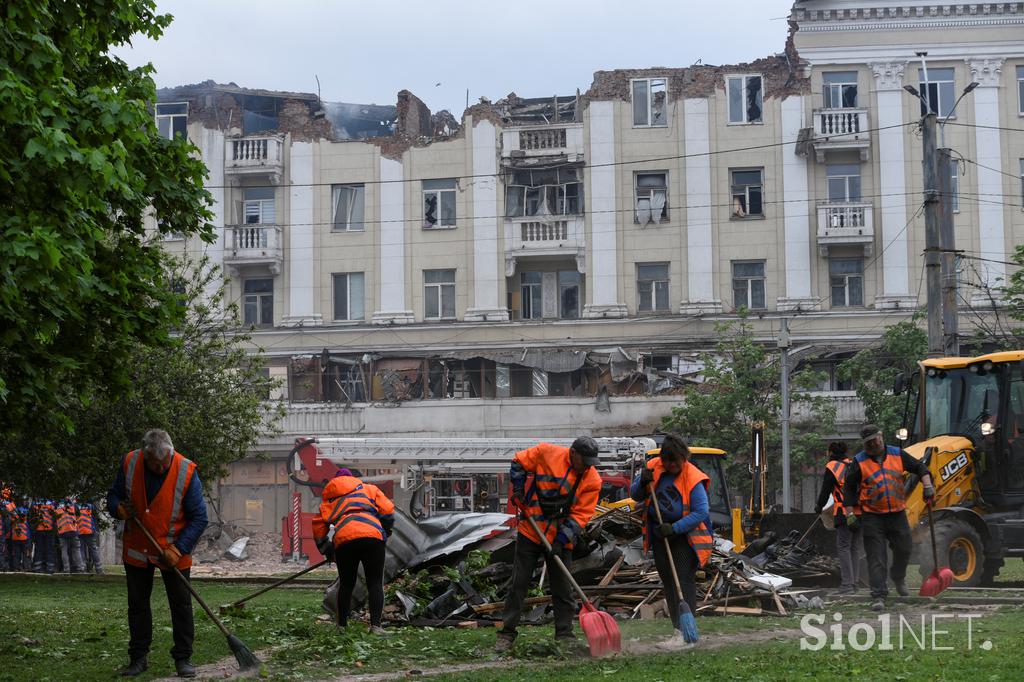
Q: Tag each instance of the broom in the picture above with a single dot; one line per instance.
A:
(687, 623)
(246, 658)
(939, 579)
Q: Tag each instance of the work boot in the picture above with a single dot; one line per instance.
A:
(136, 667)
(378, 630)
(503, 645)
(573, 646)
(184, 668)
(879, 605)
(901, 588)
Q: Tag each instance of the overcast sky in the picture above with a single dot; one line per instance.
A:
(366, 52)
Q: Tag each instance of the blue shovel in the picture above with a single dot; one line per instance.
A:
(687, 623)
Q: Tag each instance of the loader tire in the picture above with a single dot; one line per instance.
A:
(959, 546)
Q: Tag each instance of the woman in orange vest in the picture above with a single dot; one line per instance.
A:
(355, 521)
(849, 544)
(681, 490)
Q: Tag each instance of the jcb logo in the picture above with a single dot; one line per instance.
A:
(953, 466)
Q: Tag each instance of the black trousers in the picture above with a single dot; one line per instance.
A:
(369, 552)
(880, 530)
(44, 559)
(686, 567)
(524, 564)
(21, 556)
(140, 615)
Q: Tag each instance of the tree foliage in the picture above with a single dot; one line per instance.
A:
(874, 369)
(81, 164)
(742, 386)
(203, 387)
(998, 325)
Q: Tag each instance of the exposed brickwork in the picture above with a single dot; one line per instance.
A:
(413, 116)
(295, 118)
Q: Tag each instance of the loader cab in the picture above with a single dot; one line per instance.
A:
(712, 462)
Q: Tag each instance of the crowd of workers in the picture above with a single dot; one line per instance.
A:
(48, 536)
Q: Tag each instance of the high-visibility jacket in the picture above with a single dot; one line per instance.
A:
(881, 483)
(86, 525)
(19, 526)
(163, 516)
(553, 476)
(42, 516)
(839, 469)
(355, 509)
(689, 477)
(67, 519)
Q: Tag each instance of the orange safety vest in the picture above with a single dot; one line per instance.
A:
(163, 516)
(19, 528)
(839, 469)
(881, 484)
(43, 517)
(700, 538)
(67, 520)
(552, 476)
(354, 509)
(85, 526)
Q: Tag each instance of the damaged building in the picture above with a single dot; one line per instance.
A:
(548, 266)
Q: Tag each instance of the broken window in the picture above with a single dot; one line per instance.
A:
(304, 380)
(544, 192)
(652, 287)
(348, 201)
(439, 203)
(649, 102)
(651, 198)
(840, 89)
(745, 99)
(172, 119)
(941, 95)
(747, 193)
(258, 302)
(438, 294)
(748, 285)
(569, 294)
(531, 292)
(348, 296)
(257, 206)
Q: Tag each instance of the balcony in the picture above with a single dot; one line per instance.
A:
(841, 129)
(259, 245)
(255, 156)
(845, 224)
(536, 141)
(560, 237)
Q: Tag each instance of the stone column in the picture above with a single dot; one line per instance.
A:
(301, 261)
(700, 254)
(991, 228)
(212, 149)
(895, 289)
(393, 308)
(487, 286)
(604, 259)
(797, 207)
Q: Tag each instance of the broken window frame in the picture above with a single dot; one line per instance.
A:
(644, 97)
(563, 196)
(644, 214)
(354, 216)
(439, 294)
(353, 306)
(940, 91)
(255, 207)
(437, 196)
(652, 287)
(846, 282)
(258, 302)
(171, 119)
(749, 284)
(745, 115)
(568, 281)
(839, 90)
(745, 192)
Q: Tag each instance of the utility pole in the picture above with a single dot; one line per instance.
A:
(784, 361)
(947, 241)
(932, 236)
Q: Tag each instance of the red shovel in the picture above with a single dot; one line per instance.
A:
(600, 628)
(939, 579)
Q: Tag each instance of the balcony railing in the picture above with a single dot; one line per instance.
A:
(251, 155)
(551, 138)
(841, 129)
(255, 245)
(845, 223)
(530, 141)
(557, 231)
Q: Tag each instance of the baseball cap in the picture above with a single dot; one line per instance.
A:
(587, 449)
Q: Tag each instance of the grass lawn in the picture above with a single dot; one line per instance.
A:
(75, 628)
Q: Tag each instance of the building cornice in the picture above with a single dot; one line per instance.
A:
(909, 17)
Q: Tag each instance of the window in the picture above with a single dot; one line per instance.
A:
(748, 285)
(840, 89)
(652, 286)
(172, 119)
(940, 91)
(532, 292)
(258, 205)
(649, 99)
(258, 302)
(438, 203)
(439, 294)
(348, 202)
(568, 294)
(843, 182)
(543, 192)
(744, 99)
(847, 279)
(348, 296)
(1020, 90)
(651, 198)
(747, 193)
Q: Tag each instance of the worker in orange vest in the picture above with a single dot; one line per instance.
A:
(67, 535)
(87, 541)
(160, 489)
(21, 553)
(681, 490)
(44, 537)
(561, 499)
(7, 507)
(352, 528)
(876, 482)
(849, 541)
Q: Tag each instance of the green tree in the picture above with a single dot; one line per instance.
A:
(742, 386)
(81, 165)
(874, 369)
(203, 386)
(998, 325)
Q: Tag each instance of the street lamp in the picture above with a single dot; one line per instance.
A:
(928, 107)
